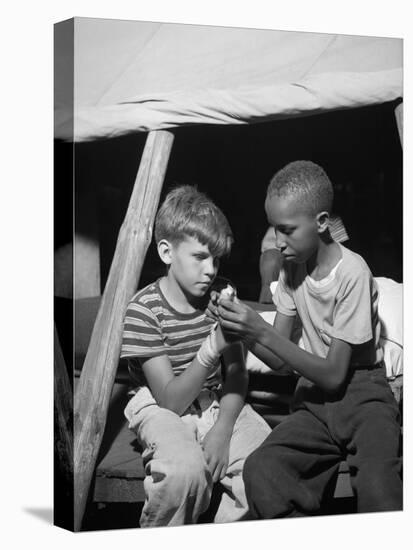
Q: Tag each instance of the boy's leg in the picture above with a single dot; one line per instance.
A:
(289, 473)
(374, 449)
(178, 484)
(250, 430)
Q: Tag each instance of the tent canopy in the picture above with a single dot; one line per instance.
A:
(137, 76)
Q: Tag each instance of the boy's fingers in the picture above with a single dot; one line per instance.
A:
(214, 296)
(211, 314)
(223, 471)
(231, 328)
(227, 315)
(218, 472)
(229, 304)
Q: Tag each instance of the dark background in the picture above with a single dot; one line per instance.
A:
(359, 149)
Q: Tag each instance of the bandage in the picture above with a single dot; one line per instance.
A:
(208, 354)
(227, 293)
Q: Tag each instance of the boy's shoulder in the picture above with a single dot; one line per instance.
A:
(147, 297)
(353, 265)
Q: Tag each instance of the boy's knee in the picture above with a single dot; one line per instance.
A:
(378, 486)
(250, 468)
(190, 476)
(254, 474)
(270, 489)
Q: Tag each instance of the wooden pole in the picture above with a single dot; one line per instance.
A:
(99, 369)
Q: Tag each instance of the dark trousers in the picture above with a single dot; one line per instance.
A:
(288, 475)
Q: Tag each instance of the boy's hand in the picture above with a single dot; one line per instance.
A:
(212, 308)
(238, 319)
(223, 340)
(216, 450)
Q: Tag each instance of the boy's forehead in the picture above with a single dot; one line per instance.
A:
(283, 210)
(279, 207)
(194, 243)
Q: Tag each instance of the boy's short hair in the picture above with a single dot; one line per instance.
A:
(306, 181)
(186, 212)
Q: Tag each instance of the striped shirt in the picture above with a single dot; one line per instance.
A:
(153, 328)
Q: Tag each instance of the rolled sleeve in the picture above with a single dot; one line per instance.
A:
(282, 297)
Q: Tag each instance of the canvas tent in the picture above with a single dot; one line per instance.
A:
(116, 77)
(136, 76)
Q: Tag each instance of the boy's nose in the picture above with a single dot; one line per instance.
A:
(279, 242)
(210, 267)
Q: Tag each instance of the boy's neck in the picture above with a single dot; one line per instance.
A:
(324, 260)
(176, 297)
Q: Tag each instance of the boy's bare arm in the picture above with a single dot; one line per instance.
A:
(270, 264)
(328, 373)
(217, 441)
(172, 392)
(283, 324)
(178, 392)
(235, 386)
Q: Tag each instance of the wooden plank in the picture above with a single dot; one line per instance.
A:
(113, 489)
(99, 370)
(343, 487)
(123, 458)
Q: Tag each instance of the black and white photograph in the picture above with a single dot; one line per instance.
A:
(228, 292)
(207, 206)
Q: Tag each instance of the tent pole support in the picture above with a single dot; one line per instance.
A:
(99, 370)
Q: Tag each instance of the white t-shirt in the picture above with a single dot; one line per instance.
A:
(345, 307)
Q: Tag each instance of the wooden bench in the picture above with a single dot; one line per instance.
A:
(120, 472)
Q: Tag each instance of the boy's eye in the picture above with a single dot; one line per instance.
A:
(285, 230)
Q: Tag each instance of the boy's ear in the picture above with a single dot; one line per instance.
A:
(165, 251)
(322, 221)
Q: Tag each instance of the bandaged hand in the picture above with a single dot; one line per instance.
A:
(215, 344)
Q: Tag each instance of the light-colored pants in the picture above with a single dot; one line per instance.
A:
(178, 484)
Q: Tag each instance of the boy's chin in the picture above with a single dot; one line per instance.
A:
(293, 259)
(200, 292)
